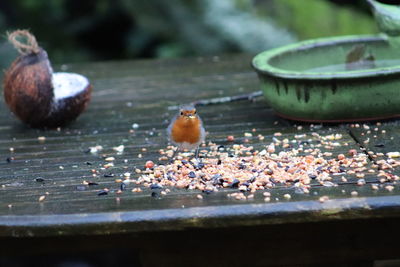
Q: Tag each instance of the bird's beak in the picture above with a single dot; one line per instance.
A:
(191, 116)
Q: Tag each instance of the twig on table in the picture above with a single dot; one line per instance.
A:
(221, 100)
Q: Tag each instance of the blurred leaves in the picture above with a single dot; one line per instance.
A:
(318, 18)
(90, 30)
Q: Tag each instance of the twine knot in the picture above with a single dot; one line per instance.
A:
(27, 46)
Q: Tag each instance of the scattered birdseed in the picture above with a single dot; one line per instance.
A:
(239, 196)
(119, 148)
(240, 166)
(393, 154)
(11, 149)
(352, 152)
(361, 182)
(323, 199)
(374, 187)
(103, 192)
(266, 194)
(271, 148)
(305, 161)
(41, 138)
(41, 198)
(127, 181)
(199, 196)
(108, 165)
(135, 126)
(149, 164)
(94, 149)
(389, 188)
(354, 193)
(360, 175)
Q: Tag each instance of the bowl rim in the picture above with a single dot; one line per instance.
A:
(268, 69)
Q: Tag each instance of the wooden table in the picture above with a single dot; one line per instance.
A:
(74, 222)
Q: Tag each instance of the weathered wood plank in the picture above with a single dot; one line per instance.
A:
(142, 92)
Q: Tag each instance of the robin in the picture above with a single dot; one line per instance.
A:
(186, 129)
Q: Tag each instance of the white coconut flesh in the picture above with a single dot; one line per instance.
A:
(68, 84)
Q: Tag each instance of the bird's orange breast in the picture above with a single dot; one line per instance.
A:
(186, 130)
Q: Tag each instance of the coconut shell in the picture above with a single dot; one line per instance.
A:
(68, 109)
(29, 93)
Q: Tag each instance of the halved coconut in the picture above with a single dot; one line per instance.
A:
(40, 97)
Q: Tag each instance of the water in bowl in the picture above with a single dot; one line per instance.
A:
(344, 67)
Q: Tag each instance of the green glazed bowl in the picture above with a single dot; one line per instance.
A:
(308, 81)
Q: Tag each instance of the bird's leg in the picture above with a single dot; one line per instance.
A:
(196, 155)
(173, 155)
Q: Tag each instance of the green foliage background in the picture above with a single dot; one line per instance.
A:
(89, 30)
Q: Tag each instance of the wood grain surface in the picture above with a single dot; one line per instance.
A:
(142, 92)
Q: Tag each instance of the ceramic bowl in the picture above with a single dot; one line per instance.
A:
(309, 80)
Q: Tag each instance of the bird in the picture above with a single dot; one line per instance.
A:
(186, 130)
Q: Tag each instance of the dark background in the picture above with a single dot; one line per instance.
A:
(90, 30)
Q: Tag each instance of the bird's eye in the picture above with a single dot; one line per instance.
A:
(181, 113)
(195, 112)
